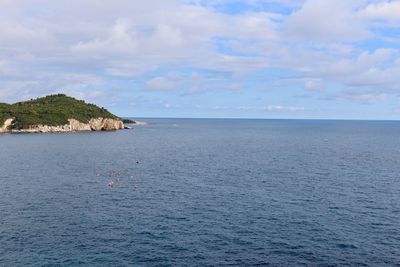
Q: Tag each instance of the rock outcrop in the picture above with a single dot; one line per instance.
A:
(7, 125)
(101, 124)
(96, 124)
(75, 125)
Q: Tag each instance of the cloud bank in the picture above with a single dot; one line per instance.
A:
(187, 52)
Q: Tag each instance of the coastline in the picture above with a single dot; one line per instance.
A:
(73, 125)
(96, 124)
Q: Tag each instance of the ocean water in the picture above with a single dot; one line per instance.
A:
(203, 193)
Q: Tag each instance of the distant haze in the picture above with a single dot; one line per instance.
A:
(197, 58)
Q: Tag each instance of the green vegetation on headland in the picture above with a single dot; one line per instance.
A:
(51, 110)
(128, 121)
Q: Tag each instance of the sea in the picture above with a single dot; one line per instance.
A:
(204, 192)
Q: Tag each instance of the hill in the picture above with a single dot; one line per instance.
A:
(52, 110)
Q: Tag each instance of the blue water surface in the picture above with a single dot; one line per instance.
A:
(203, 192)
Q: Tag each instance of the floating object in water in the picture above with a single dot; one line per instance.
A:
(131, 177)
(135, 187)
(111, 183)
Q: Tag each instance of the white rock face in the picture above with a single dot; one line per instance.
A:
(99, 124)
(75, 125)
(7, 125)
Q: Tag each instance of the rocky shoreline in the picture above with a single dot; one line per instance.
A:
(95, 124)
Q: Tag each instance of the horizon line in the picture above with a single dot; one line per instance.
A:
(238, 118)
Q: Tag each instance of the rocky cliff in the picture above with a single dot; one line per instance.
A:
(95, 124)
(6, 127)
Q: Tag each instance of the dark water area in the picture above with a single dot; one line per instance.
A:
(203, 193)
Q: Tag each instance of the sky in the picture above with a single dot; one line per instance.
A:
(300, 59)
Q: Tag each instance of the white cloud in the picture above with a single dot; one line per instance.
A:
(273, 108)
(161, 84)
(313, 84)
(377, 68)
(120, 41)
(283, 108)
(386, 10)
(80, 45)
(328, 20)
(359, 96)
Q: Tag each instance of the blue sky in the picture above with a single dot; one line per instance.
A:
(330, 59)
